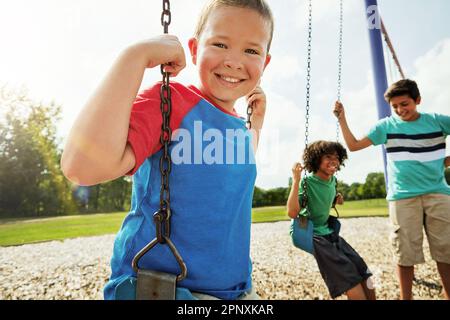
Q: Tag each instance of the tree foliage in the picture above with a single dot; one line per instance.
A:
(31, 182)
(373, 188)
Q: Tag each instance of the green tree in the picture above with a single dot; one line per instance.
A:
(374, 187)
(355, 191)
(111, 196)
(344, 189)
(31, 182)
(276, 196)
(259, 199)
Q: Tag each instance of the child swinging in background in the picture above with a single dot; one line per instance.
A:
(341, 267)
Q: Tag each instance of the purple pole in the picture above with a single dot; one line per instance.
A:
(378, 65)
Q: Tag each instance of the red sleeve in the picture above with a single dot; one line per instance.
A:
(145, 120)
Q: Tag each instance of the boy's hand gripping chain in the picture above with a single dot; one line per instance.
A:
(154, 285)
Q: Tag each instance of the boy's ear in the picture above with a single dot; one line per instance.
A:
(418, 100)
(193, 45)
(268, 58)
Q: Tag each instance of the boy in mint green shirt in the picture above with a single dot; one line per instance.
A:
(418, 194)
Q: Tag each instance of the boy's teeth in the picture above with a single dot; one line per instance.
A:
(233, 80)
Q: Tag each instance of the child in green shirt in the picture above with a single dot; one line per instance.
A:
(341, 267)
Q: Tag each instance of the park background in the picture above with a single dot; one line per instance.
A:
(54, 54)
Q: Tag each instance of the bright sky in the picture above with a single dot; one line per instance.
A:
(60, 50)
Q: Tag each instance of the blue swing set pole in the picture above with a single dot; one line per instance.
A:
(378, 65)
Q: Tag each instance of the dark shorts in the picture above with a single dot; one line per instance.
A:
(341, 267)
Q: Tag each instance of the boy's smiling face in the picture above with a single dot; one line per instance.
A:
(329, 164)
(231, 54)
(405, 107)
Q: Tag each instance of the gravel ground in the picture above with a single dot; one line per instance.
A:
(78, 268)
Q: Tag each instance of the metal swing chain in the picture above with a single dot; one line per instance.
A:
(162, 216)
(339, 82)
(304, 203)
(249, 115)
(166, 16)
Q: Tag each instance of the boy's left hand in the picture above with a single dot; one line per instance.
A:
(447, 162)
(339, 198)
(338, 110)
(257, 99)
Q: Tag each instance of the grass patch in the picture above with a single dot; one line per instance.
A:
(58, 228)
(350, 209)
(364, 208)
(23, 231)
(269, 214)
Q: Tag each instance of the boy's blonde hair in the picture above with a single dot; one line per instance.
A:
(259, 6)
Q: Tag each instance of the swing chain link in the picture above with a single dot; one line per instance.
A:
(166, 16)
(339, 83)
(249, 115)
(308, 75)
(304, 203)
(162, 216)
(165, 162)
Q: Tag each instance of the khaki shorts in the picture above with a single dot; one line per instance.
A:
(409, 217)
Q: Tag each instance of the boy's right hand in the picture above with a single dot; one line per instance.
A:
(297, 172)
(339, 111)
(164, 50)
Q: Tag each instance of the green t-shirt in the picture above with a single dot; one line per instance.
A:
(415, 153)
(321, 194)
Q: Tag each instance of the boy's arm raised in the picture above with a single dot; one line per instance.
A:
(293, 205)
(353, 144)
(96, 149)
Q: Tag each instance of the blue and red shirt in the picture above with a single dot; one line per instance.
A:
(211, 185)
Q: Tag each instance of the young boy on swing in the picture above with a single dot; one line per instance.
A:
(118, 133)
(341, 267)
(419, 197)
